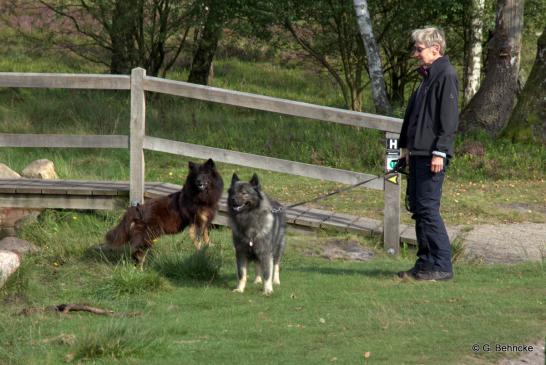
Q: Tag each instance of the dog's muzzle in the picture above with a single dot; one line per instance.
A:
(238, 207)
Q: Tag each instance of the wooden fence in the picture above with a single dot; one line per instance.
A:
(138, 83)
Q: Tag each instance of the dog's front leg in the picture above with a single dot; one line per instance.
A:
(267, 269)
(206, 238)
(195, 236)
(139, 248)
(204, 222)
(258, 279)
(276, 272)
(242, 263)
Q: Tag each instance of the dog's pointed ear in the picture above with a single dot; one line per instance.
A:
(234, 179)
(191, 165)
(209, 164)
(255, 182)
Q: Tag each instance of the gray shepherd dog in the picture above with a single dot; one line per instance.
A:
(258, 225)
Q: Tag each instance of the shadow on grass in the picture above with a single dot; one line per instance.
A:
(369, 272)
(201, 268)
(104, 254)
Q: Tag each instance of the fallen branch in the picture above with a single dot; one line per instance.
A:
(66, 308)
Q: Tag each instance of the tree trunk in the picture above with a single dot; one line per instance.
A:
(379, 91)
(490, 108)
(201, 66)
(474, 63)
(122, 32)
(528, 121)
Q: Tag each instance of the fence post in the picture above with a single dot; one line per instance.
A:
(391, 196)
(136, 140)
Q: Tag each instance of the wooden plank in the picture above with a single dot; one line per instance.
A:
(64, 81)
(338, 221)
(312, 218)
(221, 219)
(65, 141)
(407, 234)
(70, 187)
(262, 162)
(162, 188)
(365, 225)
(267, 103)
(138, 115)
(60, 202)
(100, 192)
(28, 190)
(56, 190)
(76, 190)
(293, 213)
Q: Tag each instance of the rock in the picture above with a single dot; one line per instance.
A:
(7, 173)
(12, 218)
(40, 169)
(9, 263)
(341, 250)
(17, 246)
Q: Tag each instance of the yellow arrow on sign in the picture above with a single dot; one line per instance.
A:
(393, 179)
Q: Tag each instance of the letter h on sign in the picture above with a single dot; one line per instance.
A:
(392, 144)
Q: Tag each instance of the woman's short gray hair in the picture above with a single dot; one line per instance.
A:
(430, 36)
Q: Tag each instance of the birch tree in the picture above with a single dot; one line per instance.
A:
(474, 63)
(375, 68)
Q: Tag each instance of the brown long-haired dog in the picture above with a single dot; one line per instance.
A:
(195, 206)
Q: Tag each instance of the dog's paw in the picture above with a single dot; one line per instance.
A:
(258, 280)
(238, 290)
(268, 288)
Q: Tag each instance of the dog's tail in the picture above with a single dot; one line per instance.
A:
(119, 235)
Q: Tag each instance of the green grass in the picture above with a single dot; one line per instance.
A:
(325, 311)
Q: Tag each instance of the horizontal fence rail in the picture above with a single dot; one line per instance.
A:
(276, 105)
(65, 81)
(63, 140)
(261, 162)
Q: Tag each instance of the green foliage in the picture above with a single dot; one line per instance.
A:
(503, 160)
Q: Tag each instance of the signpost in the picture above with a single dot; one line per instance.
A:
(391, 221)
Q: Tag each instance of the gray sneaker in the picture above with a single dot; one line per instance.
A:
(434, 275)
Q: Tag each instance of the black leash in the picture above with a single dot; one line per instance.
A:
(321, 197)
(398, 168)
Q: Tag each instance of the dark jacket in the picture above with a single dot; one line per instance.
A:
(432, 115)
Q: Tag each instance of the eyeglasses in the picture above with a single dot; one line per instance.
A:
(418, 49)
(421, 49)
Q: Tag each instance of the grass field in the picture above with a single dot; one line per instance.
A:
(180, 309)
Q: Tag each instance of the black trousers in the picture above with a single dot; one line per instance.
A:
(424, 192)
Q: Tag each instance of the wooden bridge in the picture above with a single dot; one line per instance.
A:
(108, 194)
